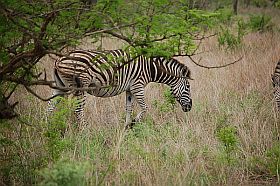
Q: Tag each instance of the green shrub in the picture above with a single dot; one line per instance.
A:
(260, 23)
(273, 160)
(225, 15)
(226, 135)
(64, 173)
(276, 4)
(230, 40)
(168, 104)
(56, 127)
(260, 3)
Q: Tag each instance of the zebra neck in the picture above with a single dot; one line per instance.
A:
(162, 72)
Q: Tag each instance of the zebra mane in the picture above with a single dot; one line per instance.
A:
(185, 71)
(275, 79)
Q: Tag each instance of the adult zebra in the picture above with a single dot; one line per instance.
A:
(276, 84)
(113, 72)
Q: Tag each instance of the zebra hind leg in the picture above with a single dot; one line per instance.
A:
(57, 94)
(129, 102)
(79, 111)
(139, 95)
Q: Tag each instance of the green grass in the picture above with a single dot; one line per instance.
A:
(170, 153)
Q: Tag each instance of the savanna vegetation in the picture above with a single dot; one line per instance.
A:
(230, 137)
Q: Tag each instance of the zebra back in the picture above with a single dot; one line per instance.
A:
(276, 75)
(102, 66)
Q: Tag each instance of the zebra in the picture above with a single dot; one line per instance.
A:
(276, 84)
(112, 72)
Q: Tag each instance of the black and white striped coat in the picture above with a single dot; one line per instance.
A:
(114, 72)
(276, 84)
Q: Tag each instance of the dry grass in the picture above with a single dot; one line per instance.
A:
(172, 147)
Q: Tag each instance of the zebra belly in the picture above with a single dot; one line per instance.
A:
(108, 92)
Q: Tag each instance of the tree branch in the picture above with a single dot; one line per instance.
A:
(212, 67)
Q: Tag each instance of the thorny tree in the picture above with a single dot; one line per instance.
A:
(31, 30)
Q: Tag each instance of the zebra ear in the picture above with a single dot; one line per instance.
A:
(186, 73)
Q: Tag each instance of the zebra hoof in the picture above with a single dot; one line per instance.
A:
(130, 125)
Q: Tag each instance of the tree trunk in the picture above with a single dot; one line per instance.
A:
(247, 3)
(235, 4)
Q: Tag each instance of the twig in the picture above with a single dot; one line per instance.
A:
(211, 67)
(44, 99)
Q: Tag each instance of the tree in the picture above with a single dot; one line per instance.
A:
(235, 4)
(32, 29)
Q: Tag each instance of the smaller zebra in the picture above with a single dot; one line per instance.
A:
(276, 84)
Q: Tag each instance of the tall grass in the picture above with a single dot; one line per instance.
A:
(230, 136)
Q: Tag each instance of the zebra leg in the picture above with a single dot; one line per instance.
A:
(53, 102)
(79, 111)
(52, 105)
(129, 103)
(139, 95)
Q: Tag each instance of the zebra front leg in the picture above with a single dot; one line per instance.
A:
(139, 95)
(129, 103)
(79, 111)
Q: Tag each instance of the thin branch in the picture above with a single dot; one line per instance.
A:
(212, 67)
(203, 37)
(92, 32)
(44, 99)
(11, 92)
(122, 37)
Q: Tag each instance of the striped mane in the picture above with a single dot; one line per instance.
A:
(179, 69)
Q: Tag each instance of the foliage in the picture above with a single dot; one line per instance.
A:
(260, 3)
(276, 3)
(273, 159)
(230, 40)
(225, 16)
(31, 30)
(260, 23)
(56, 127)
(64, 172)
(227, 136)
(168, 104)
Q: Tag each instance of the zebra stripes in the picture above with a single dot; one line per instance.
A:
(113, 72)
(276, 84)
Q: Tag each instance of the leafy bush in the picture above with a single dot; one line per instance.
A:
(64, 173)
(260, 23)
(273, 160)
(168, 104)
(260, 3)
(228, 39)
(225, 15)
(56, 127)
(277, 4)
(227, 136)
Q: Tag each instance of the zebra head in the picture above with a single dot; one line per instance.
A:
(276, 84)
(181, 90)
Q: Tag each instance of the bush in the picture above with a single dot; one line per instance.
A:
(168, 104)
(64, 173)
(273, 160)
(260, 3)
(260, 23)
(229, 40)
(276, 4)
(57, 126)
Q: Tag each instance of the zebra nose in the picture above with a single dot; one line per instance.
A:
(187, 107)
